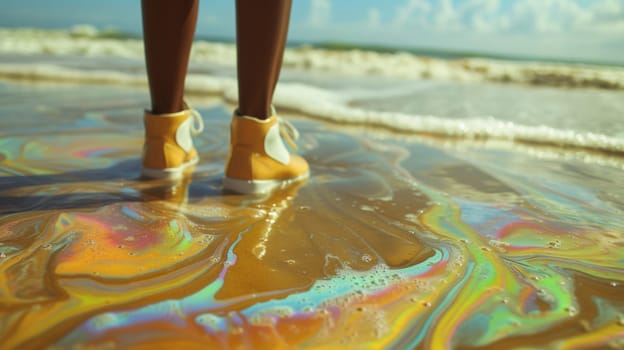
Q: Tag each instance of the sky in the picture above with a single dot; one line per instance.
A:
(590, 30)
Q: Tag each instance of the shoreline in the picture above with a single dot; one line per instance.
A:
(329, 105)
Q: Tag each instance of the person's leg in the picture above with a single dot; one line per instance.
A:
(258, 160)
(261, 30)
(168, 30)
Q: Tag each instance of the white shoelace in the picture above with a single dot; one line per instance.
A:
(198, 123)
(288, 132)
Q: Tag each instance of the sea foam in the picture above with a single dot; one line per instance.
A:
(87, 41)
(335, 106)
(325, 103)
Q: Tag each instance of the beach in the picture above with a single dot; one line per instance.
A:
(456, 211)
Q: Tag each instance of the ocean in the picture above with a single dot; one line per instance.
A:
(570, 105)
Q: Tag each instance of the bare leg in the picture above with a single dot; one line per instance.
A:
(261, 30)
(258, 160)
(168, 30)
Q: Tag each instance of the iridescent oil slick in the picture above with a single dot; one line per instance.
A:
(392, 243)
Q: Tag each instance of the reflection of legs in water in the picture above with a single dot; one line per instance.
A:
(175, 192)
(258, 160)
(168, 29)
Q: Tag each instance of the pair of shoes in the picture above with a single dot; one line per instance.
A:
(258, 161)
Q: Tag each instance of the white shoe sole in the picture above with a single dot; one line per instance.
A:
(168, 173)
(259, 186)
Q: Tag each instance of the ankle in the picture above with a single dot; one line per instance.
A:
(260, 114)
(168, 108)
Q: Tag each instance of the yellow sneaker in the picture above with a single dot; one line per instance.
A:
(168, 148)
(258, 161)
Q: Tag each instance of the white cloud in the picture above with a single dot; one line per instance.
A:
(483, 16)
(608, 9)
(451, 15)
(374, 18)
(446, 17)
(412, 12)
(550, 28)
(320, 13)
(608, 16)
(524, 16)
(559, 16)
(533, 15)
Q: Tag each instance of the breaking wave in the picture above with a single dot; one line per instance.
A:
(333, 105)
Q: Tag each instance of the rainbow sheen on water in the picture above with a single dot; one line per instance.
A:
(390, 244)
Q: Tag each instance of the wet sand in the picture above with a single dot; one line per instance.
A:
(394, 241)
